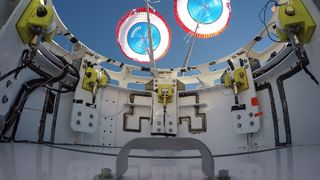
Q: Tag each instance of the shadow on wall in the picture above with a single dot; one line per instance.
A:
(6, 8)
(317, 2)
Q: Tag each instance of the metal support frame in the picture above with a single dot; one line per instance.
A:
(177, 144)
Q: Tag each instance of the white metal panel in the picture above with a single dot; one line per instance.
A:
(26, 161)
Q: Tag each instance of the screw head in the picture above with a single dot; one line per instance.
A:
(238, 117)
(8, 83)
(170, 130)
(78, 122)
(5, 99)
(91, 116)
(239, 125)
(251, 114)
(241, 74)
(251, 123)
(90, 124)
(170, 123)
(159, 130)
(159, 123)
(79, 113)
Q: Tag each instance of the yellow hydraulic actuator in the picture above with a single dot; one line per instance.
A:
(37, 21)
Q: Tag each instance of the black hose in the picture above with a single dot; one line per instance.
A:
(13, 116)
(23, 58)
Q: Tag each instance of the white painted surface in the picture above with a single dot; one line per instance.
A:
(38, 162)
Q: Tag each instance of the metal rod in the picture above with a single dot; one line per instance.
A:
(43, 119)
(55, 114)
(150, 51)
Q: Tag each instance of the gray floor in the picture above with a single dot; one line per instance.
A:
(38, 162)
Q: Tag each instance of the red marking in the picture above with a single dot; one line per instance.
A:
(254, 101)
(258, 114)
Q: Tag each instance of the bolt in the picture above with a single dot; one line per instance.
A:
(239, 125)
(246, 66)
(5, 99)
(42, 11)
(170, 130)
(85, 61)
(251, 123)
(9, 83)
(79, 113)
(91, 116)
(90, 124)
(159, 123)
(78, 122)
(170, 123)
(105, 173)
(238, 117)
(84, 66)
(223, 175)
(159, 130)
(241, 74)
(251, 114)
(245, 60)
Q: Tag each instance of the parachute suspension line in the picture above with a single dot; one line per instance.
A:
(150, 50)
(186, 59)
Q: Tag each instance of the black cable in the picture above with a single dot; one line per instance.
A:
(263, 20)
(23, 58)
(13, 116)
(59, 91)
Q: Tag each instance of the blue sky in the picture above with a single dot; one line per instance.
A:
(94, 23)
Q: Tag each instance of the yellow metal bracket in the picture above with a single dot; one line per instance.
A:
(36, 17)
(293, 15)
(165, 93)
(240, 79)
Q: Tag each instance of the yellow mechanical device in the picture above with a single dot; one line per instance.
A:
(89, 79)
(36, 21)
(165, 93)
(240, 78)
(93, 80)
(296, 25)
(238, 82)
(227, 80)
(295, 16)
